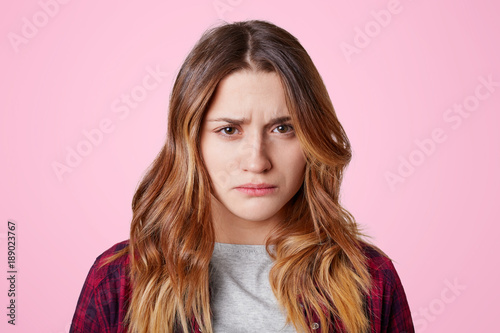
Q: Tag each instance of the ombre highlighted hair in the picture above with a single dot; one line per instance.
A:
(319, 266)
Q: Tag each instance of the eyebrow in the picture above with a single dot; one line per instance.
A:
(245, 120)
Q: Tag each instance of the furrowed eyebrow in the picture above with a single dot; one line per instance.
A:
(233, 121)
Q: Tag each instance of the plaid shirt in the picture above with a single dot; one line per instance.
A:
(102, 304)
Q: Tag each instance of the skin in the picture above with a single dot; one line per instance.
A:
(257, 150)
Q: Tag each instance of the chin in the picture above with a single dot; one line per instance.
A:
(255, 218)
(256, 214)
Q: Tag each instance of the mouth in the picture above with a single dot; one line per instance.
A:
(257, 190)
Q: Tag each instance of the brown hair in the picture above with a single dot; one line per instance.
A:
(318, 249)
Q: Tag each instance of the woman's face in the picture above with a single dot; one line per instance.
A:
(250, 150)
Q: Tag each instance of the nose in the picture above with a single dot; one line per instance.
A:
(254, 155)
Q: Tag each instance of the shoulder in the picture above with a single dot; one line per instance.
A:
(101, 270)
(379, 263)
(102, 303)
(108, 282)
(387, 299)
(382, 271)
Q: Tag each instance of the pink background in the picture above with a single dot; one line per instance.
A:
(439, 225)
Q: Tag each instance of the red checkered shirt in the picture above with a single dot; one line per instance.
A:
(103, 301)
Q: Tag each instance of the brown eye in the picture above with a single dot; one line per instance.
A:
(228, 130)
(284, 128)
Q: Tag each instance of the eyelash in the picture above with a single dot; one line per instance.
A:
(220, 130)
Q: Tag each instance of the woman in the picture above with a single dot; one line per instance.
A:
(237, 225)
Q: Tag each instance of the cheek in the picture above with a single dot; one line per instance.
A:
(296, 163)
(299, 171)
(217, 164)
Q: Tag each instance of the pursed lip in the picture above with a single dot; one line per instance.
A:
(261, 185)
(257, 190)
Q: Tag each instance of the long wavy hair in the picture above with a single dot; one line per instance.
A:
(319, 264)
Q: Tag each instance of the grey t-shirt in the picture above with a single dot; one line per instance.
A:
(241, 296)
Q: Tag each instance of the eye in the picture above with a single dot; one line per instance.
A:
(284, 128)
(228, 130)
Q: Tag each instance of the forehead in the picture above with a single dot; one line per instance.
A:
(245, 92)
